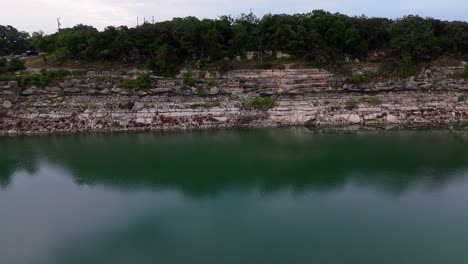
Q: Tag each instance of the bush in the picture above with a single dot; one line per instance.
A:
(127, 84)
(16, 65)
(225, 66)
(212, 83)
(465, 72)
(44, 78)
(364, 78)
(352, 104)
(407, 66)
(168, 70)
(262, 103)
(3, 64)
(461, 98)
(374, 100)
(202, 93)
(265, 66)
(189, 80)
(202, 74)
(143, 82)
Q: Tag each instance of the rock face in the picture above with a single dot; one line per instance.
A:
(303, 97)
(7, 104)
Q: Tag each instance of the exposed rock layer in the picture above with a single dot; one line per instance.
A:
(304, 97)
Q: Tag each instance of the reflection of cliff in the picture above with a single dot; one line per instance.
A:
(207, 162)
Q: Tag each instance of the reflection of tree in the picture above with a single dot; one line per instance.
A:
(203, 163)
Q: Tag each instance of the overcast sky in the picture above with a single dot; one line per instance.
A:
(34, 15)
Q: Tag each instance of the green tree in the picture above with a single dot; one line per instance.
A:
(413, 35)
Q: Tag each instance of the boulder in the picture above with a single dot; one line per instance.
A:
(13, 83)
(282, 55)
(214, 91)
(53, 89)
(392, 119)
(106, 91)
(354, 119)
(72, 90)
(66, 84)
(7, 104)
(91, 73)
(6, 92)
(160, 90)
(29, 91)
(12, 132)
(138, 106)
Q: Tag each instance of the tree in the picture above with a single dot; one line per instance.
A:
(413, 35)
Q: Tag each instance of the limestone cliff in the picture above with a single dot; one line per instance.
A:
(95, 102)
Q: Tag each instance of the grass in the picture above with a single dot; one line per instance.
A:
(364, 78)
(352, 104)
(374, 100)
(212, 84)
(261, 103)
(202, 93)
(127, 84)
(189, 80)
(258, 87)
(143, 82)
(461, 98)
(213, 103)
(40, 61)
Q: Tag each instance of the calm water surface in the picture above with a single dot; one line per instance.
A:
(267, 196)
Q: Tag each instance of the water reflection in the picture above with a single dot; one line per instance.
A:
(202, 163)
(268, 196)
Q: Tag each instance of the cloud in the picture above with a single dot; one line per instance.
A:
(32, 15)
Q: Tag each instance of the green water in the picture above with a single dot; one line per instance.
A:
(265, 196)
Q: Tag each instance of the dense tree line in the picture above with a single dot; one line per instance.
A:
(13, 41)
(316, 36)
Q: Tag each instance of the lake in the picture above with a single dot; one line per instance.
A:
(237, 196)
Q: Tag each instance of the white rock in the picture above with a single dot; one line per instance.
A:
(7, 104)
(214, 91)
(138, 106)
(354, 119)
(392, 119)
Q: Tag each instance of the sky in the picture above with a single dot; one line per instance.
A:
(35, 15)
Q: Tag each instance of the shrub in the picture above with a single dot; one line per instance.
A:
(265, 65)
(212, 83)
(202, 74)
(364, 78)
(465, 72)
(262, 103)
(189, 80)
(201, 93)
(143, 82)
(16, 65)
(3, 65)
(407, 66)
(258, 87)
(224, 66)
(127, 84)
(374, 100)
(44, 78)
(351, 104)
(168, 69)
(461, 98)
